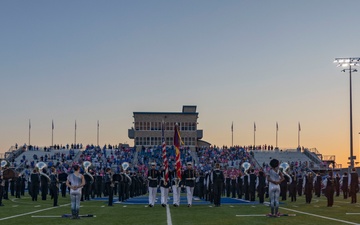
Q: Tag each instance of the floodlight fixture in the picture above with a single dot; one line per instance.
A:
(349, 62)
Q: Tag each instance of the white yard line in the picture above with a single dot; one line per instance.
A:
(24, 214)
(323, 217)
(168, 215)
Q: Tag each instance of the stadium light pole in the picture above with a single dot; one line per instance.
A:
(348, 64)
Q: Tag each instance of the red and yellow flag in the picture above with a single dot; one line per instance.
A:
(177, 140)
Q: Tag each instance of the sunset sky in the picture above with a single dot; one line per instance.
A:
(238, 61)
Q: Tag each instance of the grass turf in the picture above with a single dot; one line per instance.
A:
(197, 214)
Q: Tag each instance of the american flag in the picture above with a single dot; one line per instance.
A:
(165, 160)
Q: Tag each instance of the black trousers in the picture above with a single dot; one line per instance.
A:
(217, 193)
(110, 191)
(330, 196)
(55, 193)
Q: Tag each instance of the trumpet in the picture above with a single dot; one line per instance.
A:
(86, 165)
(41, 166)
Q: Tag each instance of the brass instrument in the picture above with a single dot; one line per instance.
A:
(284, 166)
(41, 166)
(4, 163)
(86, 165)
(125, 166)
(246, 166)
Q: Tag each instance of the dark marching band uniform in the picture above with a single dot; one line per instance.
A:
(62, 179)
(54, 186)
(354, 185)
(308, 187)
(337, 184)
(87, 188)
(293, 185)
(35, 183)
(252, 185)
(345, 185)
(239, 185)
(208, 186)
(2, 184)
(18, 184)
(318, 182)
(329, 184)
(109, 186)
(44, 186)
(217, 177)
(261, 185)
(246, 186)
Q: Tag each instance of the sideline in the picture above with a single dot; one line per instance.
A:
(323, 217)
(28, 213)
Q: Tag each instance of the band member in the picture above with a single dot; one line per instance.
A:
(274, 178)
(35, 184)
(239, 185)
(127, 184)
(261, 185)
(300, 183)
(54, 185)
(164, 188)
(293, 185)
(87, 187)
(153, 177)
(44, 182)
(2, 184)
(189, 177)
(121, 186)
(233, 183)
(209, 187)
(308, 187)
(345, 184)
(98, 188)
(217, 177)
(284, 188)
(62, 179)
(337, 184)
(318, 182)
(12, 187)
(252, 184)
(354, 185)
(329, 184)
(245, 179)
(109, 186)
(18, 186)
(75, 182)
(227, 183)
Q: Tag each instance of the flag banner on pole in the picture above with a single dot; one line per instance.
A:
(232, 126)
(277, 126)
(98, 124)
(165, 160)
(29, 124)
(254, 126)
(177, 140)
(52, 125)
(75, 124)
(299, 127)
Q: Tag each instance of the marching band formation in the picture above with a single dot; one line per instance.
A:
(84, 183)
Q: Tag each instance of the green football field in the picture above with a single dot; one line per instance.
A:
(25, 211)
